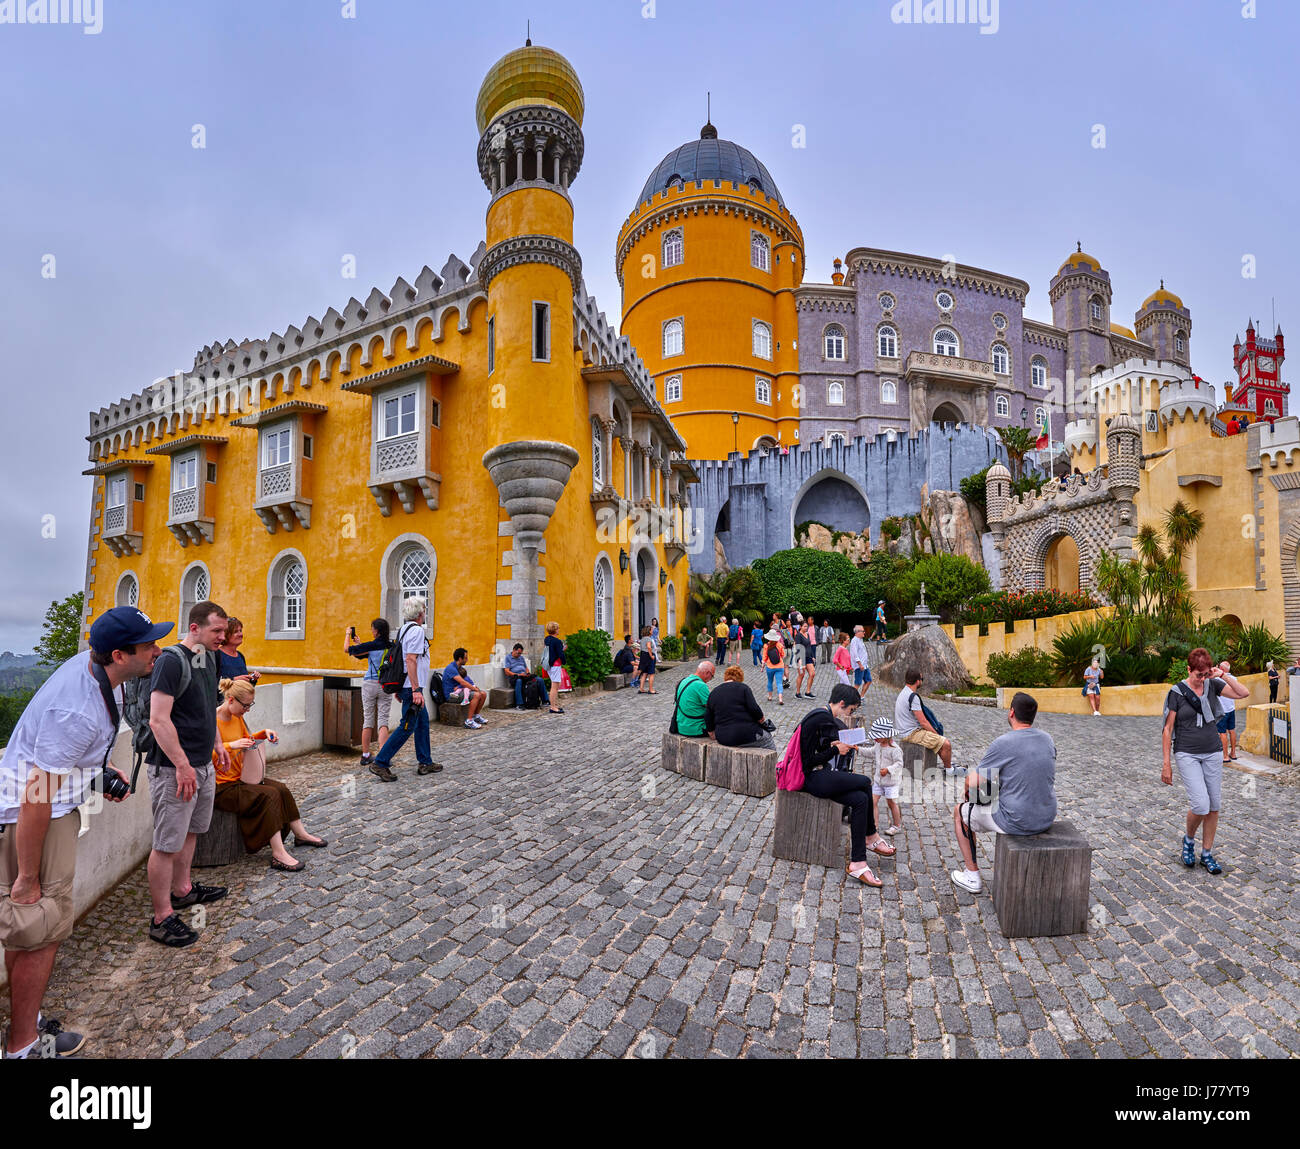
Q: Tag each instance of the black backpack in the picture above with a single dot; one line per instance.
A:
(136, 693)
(533, 694)
(392, 667)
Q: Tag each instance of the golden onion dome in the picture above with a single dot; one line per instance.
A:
(1078, 259)
(1162, 296)
(1120, 329)
(529, 75)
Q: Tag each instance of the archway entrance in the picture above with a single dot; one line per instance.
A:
(646, 596)
(1061, 566)
(833, 499)
(947, 413)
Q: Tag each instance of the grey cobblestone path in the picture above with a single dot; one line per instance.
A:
(554, 892)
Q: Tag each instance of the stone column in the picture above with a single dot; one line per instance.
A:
(918, 403)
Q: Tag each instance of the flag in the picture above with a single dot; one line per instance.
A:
(1044, 436)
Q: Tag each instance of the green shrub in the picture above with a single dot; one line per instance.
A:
(670, 649)
(587, 657)
(820, 582)
(1126, 668)
(1177, 671)
(1073, 650)
(974, 491)
(1029, 667)
(949, 581)
(891, 529)
(1252, 646)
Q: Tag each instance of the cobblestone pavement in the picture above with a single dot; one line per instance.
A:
(555, 892)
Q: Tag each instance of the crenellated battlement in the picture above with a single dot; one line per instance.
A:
(1279, 440)
(1060, 495)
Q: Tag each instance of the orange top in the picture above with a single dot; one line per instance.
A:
(232, 730)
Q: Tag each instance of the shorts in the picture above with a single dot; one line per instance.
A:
(1202, 776)
(861, 676)
(797, 657)
(49, 920)
(376, 705)
(173, 818)
(882, 791)
(1227, 722)
(980, 819)
(554, 673)
(927, 738)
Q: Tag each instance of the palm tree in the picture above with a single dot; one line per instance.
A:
(1182, 526)
(1019, 441)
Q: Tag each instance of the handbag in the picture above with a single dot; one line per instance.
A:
(565, 684)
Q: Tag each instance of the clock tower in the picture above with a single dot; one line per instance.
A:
(1258, 364)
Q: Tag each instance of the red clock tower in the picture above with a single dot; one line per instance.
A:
(1259, 384)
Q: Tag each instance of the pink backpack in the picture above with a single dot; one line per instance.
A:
(789, 770)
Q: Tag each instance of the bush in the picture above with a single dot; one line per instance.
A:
(1126, 668)
(1074, 650)
(587, 657)
(1252, 646)
(1177, 671)
(974, 491)
(1025, 668)
(1012, 605)
(949, 581)
(820, 582)
(670, 649)
(891, 529)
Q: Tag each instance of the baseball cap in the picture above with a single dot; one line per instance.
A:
(125, 626)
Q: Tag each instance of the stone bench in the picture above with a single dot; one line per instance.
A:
(917, 759)
(501, 698)
(616, 681)
(740, 769)
(453, 713)
(222, 844)
(684, 756)
(809, 829)
(1040, 882)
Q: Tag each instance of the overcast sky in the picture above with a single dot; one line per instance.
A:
(328, 136)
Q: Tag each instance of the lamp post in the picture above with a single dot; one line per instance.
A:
(735, 431)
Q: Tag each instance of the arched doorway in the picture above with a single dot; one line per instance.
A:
(947, 413)
(1061, 566)
(832, 498)
(645, 592)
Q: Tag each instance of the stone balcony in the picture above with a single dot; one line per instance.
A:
(950, 368)
(398, 467)
(279, 500)
(185, 517)
(116, 534)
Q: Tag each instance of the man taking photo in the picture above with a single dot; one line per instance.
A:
(56, 751)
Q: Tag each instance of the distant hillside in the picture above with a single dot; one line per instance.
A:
(17, 679)
(11, 661)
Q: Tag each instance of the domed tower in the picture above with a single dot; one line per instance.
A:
(1080, 294)
(530, 149)
(997, 493)
(1123, 477)
(1166, 324)
(708, 262)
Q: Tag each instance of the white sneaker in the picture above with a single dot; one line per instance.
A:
(967, 881)
(480, 720)
(1096, 713)
(470, 724)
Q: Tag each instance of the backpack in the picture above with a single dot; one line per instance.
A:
(392, 669)
(672, 722)
(136, 693)
(929, 714)
(734, 634)
(532, 694)
(789, 770)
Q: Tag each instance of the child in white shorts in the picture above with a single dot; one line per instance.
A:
(889, 772)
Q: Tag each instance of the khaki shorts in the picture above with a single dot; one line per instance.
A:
(172, 818)
(50, 920)
(927, 738)
(376, 706)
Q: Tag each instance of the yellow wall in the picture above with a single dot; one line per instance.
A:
(975, 648)
(1144, 699)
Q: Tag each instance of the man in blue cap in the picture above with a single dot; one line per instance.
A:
(59, 747)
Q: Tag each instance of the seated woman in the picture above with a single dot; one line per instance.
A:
(733, 717)
(828, 773)
(265, 808)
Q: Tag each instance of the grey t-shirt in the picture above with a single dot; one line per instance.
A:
(1192, 734)
(906, 707)
(1023, 762)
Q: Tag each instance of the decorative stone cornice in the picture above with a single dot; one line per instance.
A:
(825, 297)
(1044, 335)
(522, 129)
(521, 249)
(183, 443)
(926, 268)
(270, 414)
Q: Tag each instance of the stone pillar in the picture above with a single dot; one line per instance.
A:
(918, 403)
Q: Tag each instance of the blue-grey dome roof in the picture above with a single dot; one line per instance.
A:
(710, 158)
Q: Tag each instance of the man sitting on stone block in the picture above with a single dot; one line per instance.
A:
(1023, 764)
(911, 724)
(691, 700)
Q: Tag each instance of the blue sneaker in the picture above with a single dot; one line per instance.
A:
(1189, 852)
(1211, 866)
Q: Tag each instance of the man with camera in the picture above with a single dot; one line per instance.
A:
(182, 782)
(60, 745)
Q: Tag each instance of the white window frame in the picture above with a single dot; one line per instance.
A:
(1096, 310)
(834, 343)
(122, 594)
(835, 393)
(886, 350)
(672, 250)
(939, 297)
(673, 389)
(760, 251)
(280, 604)
(543, 309)
(1002, 407)
(1038, 367)
(1004, 352)
(1180, 344)
(1040, 416)
(183, 465)
(681, 337)
(277, 439)
(832, 437)
(762, 390)
(762, 340)
(934, 342)
(597, 455)
(411, 392)
(888, 391)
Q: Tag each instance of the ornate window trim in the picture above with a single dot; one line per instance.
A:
(1037, 368)
(602, 579)
(1000, 350)
(888, 391)
(680, 331)
(762, 390)
(390, 579)
(939, 297)
(672, 251)
(944, 329)
(194, 578)
(280, 603)
(122, 592)
(834, 342)
(886, 341)
(760, 251)
(673, 389)
(835, 393)
(761, 339)
(1002, 407)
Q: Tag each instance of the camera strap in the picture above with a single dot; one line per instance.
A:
(106, 690)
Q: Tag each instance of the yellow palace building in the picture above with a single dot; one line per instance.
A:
(480, 437)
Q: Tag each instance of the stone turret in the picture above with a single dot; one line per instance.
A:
(1123, 477)
(997, 493)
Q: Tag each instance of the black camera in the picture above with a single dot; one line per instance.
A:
(768, 725)
(113, 784)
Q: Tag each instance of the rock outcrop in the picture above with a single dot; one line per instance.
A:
(856, 547)
(952, 519)
(929, 650)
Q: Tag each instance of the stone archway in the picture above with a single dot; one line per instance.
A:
(833, 498)
(1061, 565)
(1045, 545)
(948, 412)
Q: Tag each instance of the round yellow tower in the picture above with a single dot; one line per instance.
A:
(709, 261)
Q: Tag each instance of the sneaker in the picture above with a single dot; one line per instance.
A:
(383, 773)
(470, 724)
(519, 709)
(366, 759)
(1211, 866)
(198, 894)
(1096, 713)
(1189, 852)
(479, 720)
(65, 1042)
(171, 931)
(967, 881)
(954, 771)
(429, 768)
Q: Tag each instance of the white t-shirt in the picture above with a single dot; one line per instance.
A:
(889, 758)
(1228, 704)
(858, 653)
(414, 642)
(64, 730)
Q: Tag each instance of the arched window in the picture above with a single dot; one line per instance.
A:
(1002, 407)
(128, 591)
(762, 389)
(672, 609)
(673, 389)
(887, 342)
(407, 570)
(888, 391)
(765, 443)
(597, 455)
(286, 603)
(1096, 308)
(1180, 342)
(760, 251)
(1001, 359)
(1038, 371)
(672, 248)
(945, 342)
(196, 587)
(604, 596)
(1040, 417)
(413, 575)
(834, 342)
(835, 393)
(762, 340)
(834, 439)
(673, 338)
(1270, 408)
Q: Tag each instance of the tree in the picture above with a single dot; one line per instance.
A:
(736, 593)
(949, 580)
(62, 634)
(1019, 441)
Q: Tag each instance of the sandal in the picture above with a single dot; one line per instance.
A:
(884, 849)
(320, 844)
(278, 865)
(1189, 852)
(865, 876)
(1208, 861)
